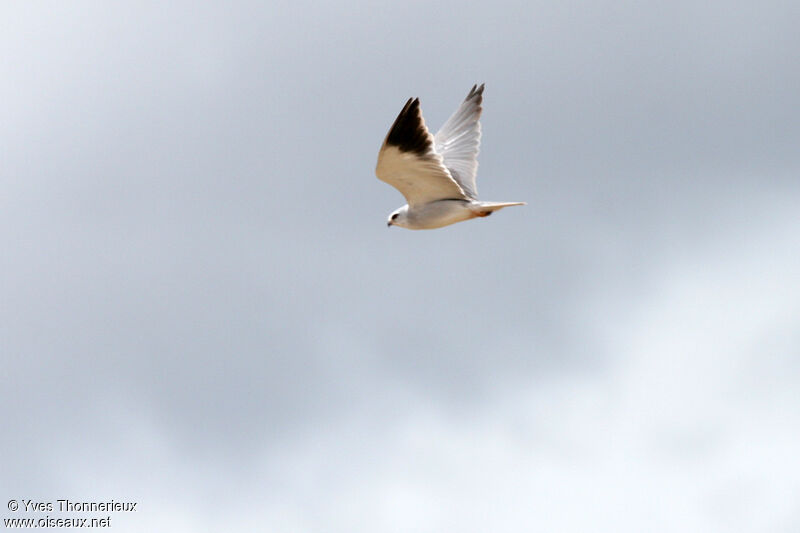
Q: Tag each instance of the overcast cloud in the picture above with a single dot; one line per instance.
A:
(202, 310)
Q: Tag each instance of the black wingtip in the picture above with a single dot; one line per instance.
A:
(475, 91)
(408, 133)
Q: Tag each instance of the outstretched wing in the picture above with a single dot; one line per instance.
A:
(459, 139)
(408, 162)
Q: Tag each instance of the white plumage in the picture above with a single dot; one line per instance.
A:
(436, 174)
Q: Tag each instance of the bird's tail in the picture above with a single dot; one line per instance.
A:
(484, 209)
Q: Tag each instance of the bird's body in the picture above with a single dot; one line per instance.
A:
(442, 213)
(435, 174)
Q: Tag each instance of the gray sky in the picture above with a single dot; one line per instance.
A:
(202, 310)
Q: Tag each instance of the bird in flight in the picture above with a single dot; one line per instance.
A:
(436, 174)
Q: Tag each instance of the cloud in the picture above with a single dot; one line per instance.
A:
(201, 308)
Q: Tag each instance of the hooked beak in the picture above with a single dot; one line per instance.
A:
(389, 224)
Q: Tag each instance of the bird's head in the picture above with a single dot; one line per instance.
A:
(398, 218)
